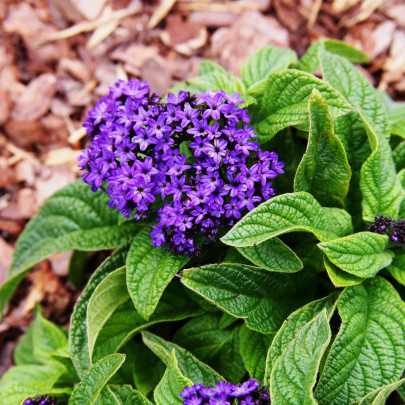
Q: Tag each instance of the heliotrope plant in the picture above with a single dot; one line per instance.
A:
(259, 229)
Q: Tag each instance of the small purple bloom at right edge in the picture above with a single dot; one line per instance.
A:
(387, 226)
(191, 162)
(225, 393)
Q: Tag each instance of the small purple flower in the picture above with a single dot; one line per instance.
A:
(41, 400)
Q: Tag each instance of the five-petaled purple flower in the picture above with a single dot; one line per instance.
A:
(225, 393)
(191, 161)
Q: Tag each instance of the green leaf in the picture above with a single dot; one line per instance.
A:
(294, 373)
(78, 343)
(189, 365)
(266, 60)
(24, 350)
(397, 267)
(253, 348)
(264, 299)
(273, 255)
(380, 395)
(89, 388)
(149, 271)
(106, 298)
(348, 80)
(125, 322)
(339, 277)
(362, 254)
(368, 351)
(172, 384)
(396, 114)
(77, 268)
(381, 187)
(291, 327)
(219, 348)
(288, 213)
(73, 218)
(310, 62)
(285, 101)
(126, 395)
(324, 170)
(208, 67)
(218, 81)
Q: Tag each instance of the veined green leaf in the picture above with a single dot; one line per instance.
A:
(310, 62)
(89, 388)
(264, 299)
(396, 114)
(253, 348)
(368, 351)
(288, 213)
(381, 187)
(190, 366)
(285, 101)
(125, 322)
(272, 255)
(362, 254)
(208, 67)
(294, 373)
(380, 395)
(398, 155)
(24, 350)
(339, 277)
(172, 384)
(78, 343)
(149, 271)
(291, 327)
(219, 348)
(73, 218)
(324, 170)
(106, 298)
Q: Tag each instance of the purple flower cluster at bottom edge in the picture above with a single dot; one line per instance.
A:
(225, 393)
(41, 400)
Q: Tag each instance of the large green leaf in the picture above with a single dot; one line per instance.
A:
(368, 351)
(189, 365)
(363, 254)
(339, 277)
(310, 61)
(253, 348)
(272, 255)
(149, 271)
(381, 187)
(397, 267)
(217, 80)
(106, 298)
(396, 114)
(294, 373)
(291, 327)
(288, 213)
(264, 299)
(172, 384)
(89, 388)
(73, 218)
(398, 155)
(285, 101)
(218, 347)
(324, 171)
(78, 343)
(125, 322)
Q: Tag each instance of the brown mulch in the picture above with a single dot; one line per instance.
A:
(57, 57)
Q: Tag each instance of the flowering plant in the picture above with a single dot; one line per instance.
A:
(258, 225)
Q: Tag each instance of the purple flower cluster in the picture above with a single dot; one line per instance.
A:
(387, 226)
(225, 393)
(41, 400)
(189, 161)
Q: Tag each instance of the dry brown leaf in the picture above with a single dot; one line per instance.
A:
(396, 12)
(75, 67)
(89, 9)
(36, 99)
(6, 253)
(338, 6)
(63, 156)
